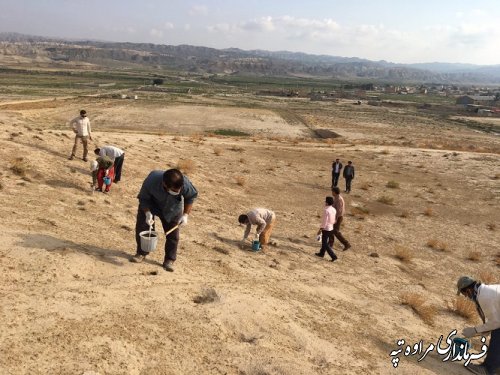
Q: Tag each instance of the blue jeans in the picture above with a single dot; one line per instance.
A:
(325, 246)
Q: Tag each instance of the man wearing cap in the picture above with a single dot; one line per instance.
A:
(170, 196)
(487, 300)
(81, 128)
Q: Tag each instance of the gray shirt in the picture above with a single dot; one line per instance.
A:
(154, 197)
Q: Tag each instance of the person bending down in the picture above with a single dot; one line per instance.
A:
(264, 219)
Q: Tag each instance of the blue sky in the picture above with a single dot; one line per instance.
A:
(394, 30)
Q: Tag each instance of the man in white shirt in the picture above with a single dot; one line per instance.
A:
(81, 128)
(336, 169)
(115, 154)
(487, 300)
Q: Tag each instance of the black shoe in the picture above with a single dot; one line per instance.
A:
(71, 157)
(333, 260)
(85, 159)
(319, 255)
(347, 247)
(168, 266)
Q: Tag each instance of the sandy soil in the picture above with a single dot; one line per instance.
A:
(71, 303)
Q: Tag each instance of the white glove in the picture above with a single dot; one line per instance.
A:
(469, 332)
(318, 237)
(149, 218)
(183, 220)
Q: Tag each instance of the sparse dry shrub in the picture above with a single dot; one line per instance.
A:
(488, 277)
(176, 139)
(475, 256)
(237, 149)
(384, 152)
(330, 141)
(360, 211)
(437, 245)
(404, 214)
(241, 180)
(496, 176)
(403, 253)
(207, 295)
(365, 186)
(418, 303)
(218, 151)
(186, 166)
(491, 226)
(497, 260)
(429, 211)
(242, 161)
(392, 184)
(1, 185)
(463, 307)
(386, 200)
(20, 166)
(196, 138)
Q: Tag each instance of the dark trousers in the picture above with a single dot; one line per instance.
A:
(118, 167)
(325, 247)
(336, 233)
(172, 239)
(492, 361)
(348, 184)
(335, 179)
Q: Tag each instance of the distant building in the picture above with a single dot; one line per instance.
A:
(475, 100)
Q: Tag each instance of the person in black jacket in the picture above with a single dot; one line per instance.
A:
(336, 169)
(348, 175)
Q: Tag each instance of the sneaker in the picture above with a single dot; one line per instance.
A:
(98, 189)
(168, 266)
(347, 247)
(477, 369)
(85, 159)
(319, 255)
(137, 258)
(333, 260)
(71, 157)
(106, 191)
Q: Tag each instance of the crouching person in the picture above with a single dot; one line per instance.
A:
(168, 195)
(264, 219)
(105, 169)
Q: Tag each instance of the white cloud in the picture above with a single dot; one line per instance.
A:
(187, 27)
(156, 33)
(169, 26)
(198, 10)
(472, 41)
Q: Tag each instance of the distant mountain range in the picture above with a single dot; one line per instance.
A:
(237, 61)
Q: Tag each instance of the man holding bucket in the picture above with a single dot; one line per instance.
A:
(487, 300)
(170, 196)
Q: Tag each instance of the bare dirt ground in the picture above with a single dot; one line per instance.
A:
(71, 303)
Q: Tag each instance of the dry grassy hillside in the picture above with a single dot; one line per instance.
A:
(71, 303)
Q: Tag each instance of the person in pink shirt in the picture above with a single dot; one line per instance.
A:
(326, 229)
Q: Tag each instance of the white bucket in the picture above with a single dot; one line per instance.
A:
(148, 244)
